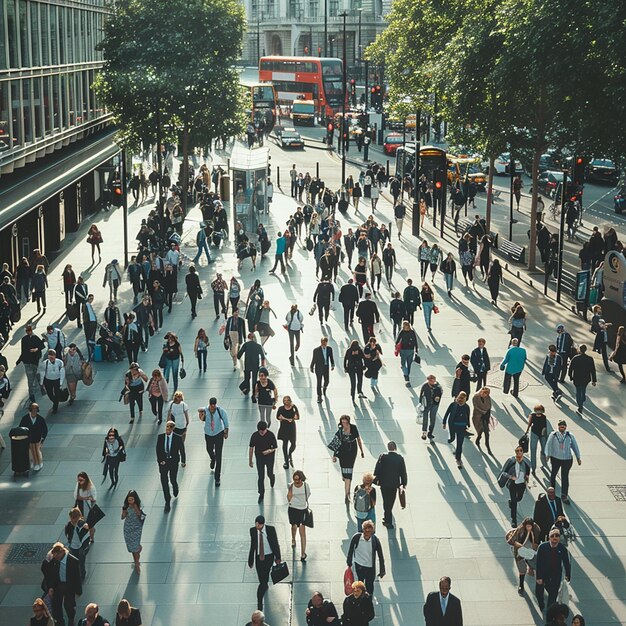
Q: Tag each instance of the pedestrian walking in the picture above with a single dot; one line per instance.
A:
(294, 327)
(467, 258)
(131, 336)
(234, 294)
(551, 371)
(85, 497)
(457, 414)
(157, 394)
(560, 448)
(263, 445)
(31, 347)
(376, 269)
(548, 513)
(39, 284)
(462, 377)
(266, 395)
(423, 253)
(134, 387)
(538, 429)
(127, 615)
(323, 296)
(73, 362)
(448, 267)
(280, 253)
(264, 552)
(389, 261)
(373, 362)
(112, 277)
(344, 447)
(391, 476)
(194, 289)
(52, 378)
(219, 288)
(168, 457)
(94, 239)
(512, 365)
(406, 347)
(552, 559)
(412, 300)
(368, 315)
(366, 552)
(216, 429)
(321, 612)
(364, 500)
(178, 412)
(524, 540)
(201, 346)
(69, 282)
(582, 371)
(618, 355)
(287, 415)
(113, 453)
(358, 608)
(322, 362)
(134, 518)
(62, 575)
(518, 469)
(564, 345)
(481, 415)
(172, 358)
(254, 302)
(203, 244)
(428, 304)
(298, 494)
(494, 280)
(354, 366)
(441, 607)
(481, 363)
(429, 399)
(37, 433)
(517, 323)
(349, 298)
(253, 358)
(77, 535)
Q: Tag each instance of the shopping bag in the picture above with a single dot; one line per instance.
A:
(95, 515)
(348, 579)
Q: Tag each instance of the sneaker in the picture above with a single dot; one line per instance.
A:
(212, 463)
(431, 436)
(424, 436)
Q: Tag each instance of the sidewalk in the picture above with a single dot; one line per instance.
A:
(194, 559)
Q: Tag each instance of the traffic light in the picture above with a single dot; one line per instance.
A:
(437, 183)
(117, 193)
(578, 170)
(377, 97)
(353, 92)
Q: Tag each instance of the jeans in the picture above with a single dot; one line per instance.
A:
(156, 402)
(553, 381)
(202, 360)
(428, 312)
(370, 515)
(356, 381)
(203, 247)
(171, 365)
(157, 315)
(581, 396)
(265, 414)
(507, 383)
(144, 333)
(428, 418)
(406, 359)
(516, 493)
(534, 440)
(31, 376)
(459, 433)
(565, 467)
(449, 281)
(294, 337)
(264, 462)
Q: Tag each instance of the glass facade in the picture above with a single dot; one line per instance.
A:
(48, 61)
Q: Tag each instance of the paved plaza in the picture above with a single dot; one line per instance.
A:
(194, 568)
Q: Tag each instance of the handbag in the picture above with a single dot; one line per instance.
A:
(95, 515)
(163, 361)
(279, 572)
(348, 580)
(335, 444)
(126, 395)
(397, 350)
(71, 310)
(435, 309)
(122, 455)
(503, 479)
(182, 373)
(402, 497)
(308, 514)
(523, 442)
(226, 342)
(63, 395)
(417, 358)
(87, 373)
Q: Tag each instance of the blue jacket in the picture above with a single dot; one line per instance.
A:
(514, 360)
(547, 569)
(281, 245)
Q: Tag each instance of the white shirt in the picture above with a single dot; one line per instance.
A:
(63, 569)
(167, 443)
(443, 601)
(262, 536)
(177, 412)
(294, 320)
(299, 499)
(520, 472)
(363, 551)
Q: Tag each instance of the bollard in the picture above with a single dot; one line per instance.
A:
(317, 169)
(278, 176)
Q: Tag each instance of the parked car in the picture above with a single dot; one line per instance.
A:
(478, 176)
(547, 182)
(602, 171)
(620, 200)
(392, 142)
(290, 138)
(501, 164)
(549, 162)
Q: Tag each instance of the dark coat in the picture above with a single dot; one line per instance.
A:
(317, 360)
(390, 471)
(174, 448)
(544, 516)
(433, 615)
(253, 354)
(349, 295)
(50, 570)
(377, 552)
(324, 293)
(582, 370)
(272, 539)
(475, 360)
(358, 611)
(367, 312)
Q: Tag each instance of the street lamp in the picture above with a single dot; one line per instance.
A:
(325, 28)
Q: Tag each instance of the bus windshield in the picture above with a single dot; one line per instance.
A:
(332, 75)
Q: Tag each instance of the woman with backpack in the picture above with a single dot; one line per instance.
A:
(364, 501)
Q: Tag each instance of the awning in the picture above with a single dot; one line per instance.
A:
(45, 181)
(246, 160)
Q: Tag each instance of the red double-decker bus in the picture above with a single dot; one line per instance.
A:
(310, 78)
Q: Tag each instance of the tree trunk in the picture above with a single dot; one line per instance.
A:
(184, 179)
(532, 245)
(492, 161)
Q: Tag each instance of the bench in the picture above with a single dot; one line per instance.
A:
(466, 223)
(512, 250)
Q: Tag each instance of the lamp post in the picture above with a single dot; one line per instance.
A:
(359, 46)
(325, 28)
(258, 38)
(344, 128)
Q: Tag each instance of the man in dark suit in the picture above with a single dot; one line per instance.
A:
(168, 456)
(62, 575)
(323, 295)
(552, 559)
(582, 371)
(480, 364)
(322, 362)
(442, 608)
(253, 358)
(264, 551)
(368, 315)
(549, 512)
(348, 296)
(390, 473)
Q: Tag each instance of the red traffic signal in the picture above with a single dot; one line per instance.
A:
(579, 161)
(373, 89)
(352, 81)
(438, 184)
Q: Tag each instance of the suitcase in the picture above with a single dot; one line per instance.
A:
(97, 353)
(20, 445)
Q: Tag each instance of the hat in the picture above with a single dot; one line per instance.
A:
(259, 519)
(212, 400)
(560, 326)
(562, 423)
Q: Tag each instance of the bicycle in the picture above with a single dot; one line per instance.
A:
(555, 210)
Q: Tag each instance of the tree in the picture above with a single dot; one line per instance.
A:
(172, 65)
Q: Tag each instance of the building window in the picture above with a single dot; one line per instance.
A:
(356, 4)
(27, 110)
(61, 33)
(54, 38)
(57, 120)
(271, 9)
(313, 8)
(5, 131)
(13, 36)
(333, 8)
(25, 60)
(35, 35)
(16, 113)
(47, 105)
(45, 33)
(37, 108)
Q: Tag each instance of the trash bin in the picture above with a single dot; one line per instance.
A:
(225, 188)
(20, 443)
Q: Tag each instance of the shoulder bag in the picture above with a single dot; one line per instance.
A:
(335, 444)
(308, 514)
